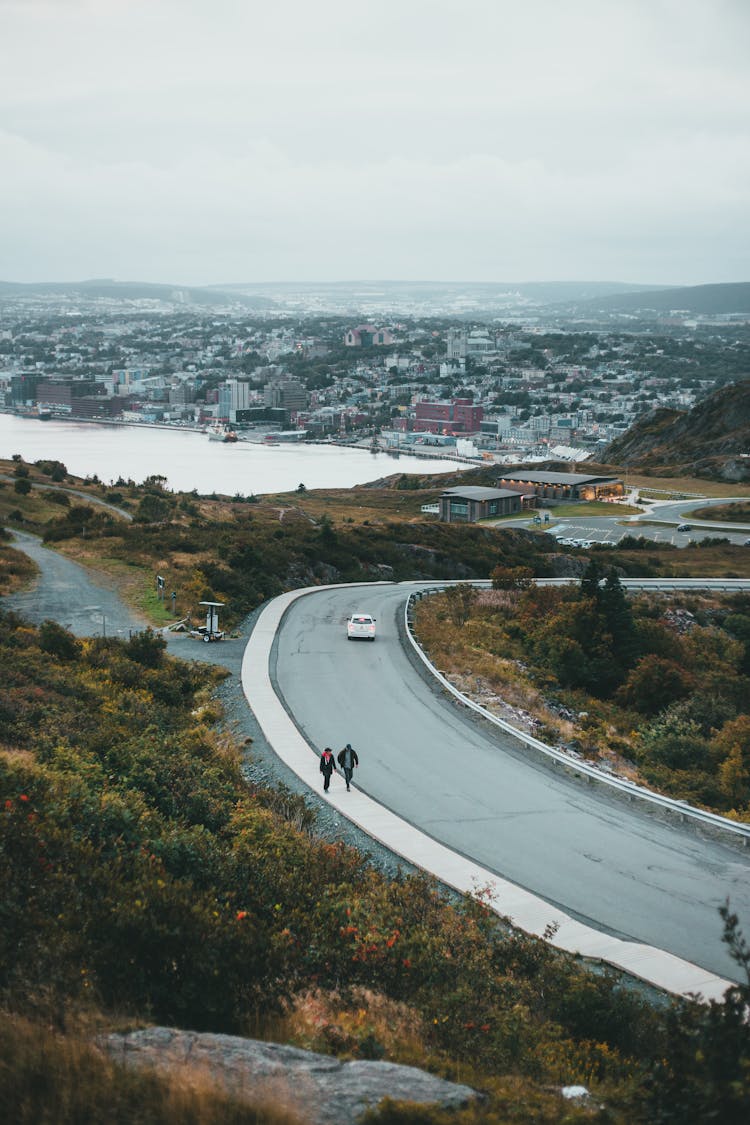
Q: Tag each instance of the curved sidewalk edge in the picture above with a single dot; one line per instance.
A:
(523, 909)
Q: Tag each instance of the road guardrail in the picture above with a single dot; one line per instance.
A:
(629, 788)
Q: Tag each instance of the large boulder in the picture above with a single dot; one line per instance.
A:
(320, 1088)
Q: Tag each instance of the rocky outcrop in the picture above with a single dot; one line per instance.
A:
(321, 1089)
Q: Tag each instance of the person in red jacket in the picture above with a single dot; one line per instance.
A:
(327, 766)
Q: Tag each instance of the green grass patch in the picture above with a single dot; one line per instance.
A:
(736, 512)
(593, 508)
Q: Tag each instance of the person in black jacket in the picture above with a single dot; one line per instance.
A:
(347, 759)
(327, 766)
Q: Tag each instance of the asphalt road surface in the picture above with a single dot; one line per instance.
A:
(607, 862)
(68, 594)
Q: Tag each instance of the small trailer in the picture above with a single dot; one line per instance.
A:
(210, 631)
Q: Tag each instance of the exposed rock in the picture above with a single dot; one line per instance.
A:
(735, 471)
(679, 620)
(565, 566)
(320, 1088)
(575, 1093)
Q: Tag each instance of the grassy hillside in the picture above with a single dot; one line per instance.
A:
(144, 879)
(711, 440)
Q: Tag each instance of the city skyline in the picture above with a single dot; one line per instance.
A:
(201, 144)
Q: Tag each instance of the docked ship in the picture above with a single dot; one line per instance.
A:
(218, 432)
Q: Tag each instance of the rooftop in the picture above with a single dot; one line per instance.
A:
(555, 478)
(474, 492)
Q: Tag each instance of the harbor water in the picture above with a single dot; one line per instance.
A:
(189, 460)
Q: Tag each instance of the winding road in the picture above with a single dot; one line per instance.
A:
(609, 863)
(471, 789)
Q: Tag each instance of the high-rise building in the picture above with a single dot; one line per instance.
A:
(288, 393)
(234, 395)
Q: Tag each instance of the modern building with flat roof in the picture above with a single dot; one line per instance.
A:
(562, 486)
(472, 503)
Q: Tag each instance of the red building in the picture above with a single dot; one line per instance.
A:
(459, 416)
(367, 336)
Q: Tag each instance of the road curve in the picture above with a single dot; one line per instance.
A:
(67, 593)
(609, 864)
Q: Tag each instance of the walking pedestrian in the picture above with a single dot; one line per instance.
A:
(347, 759)
(327, 766)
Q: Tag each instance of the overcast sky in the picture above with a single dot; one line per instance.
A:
(208, 141)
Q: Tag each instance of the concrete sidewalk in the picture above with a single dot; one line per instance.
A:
(525, 910)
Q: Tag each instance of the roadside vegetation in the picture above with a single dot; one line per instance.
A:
(144, 880)
(654, 685)
(737, 512)
(16, 568)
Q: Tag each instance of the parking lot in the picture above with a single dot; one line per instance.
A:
(582, 532)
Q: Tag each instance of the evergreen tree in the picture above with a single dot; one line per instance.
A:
(592, 576)
(619, 618)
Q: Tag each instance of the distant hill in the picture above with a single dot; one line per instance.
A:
(712, 440)
(503, 292)
(99, 288)
(732, 297)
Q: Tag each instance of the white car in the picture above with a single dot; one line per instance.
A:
(360, 626)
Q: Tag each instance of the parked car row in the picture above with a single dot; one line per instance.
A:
(565, 542)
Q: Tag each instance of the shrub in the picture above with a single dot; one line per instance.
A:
(53, 638)
(56, 497)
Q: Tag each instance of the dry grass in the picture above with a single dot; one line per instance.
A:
(222, 740)
(693, 486)
(727, 561)
(17, 757)
(36, 507)
(736, 512)
(47, 1078)
(356, 1023)
(17, 570)
(358, 504)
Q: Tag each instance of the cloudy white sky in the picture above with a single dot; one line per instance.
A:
(208, 141)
